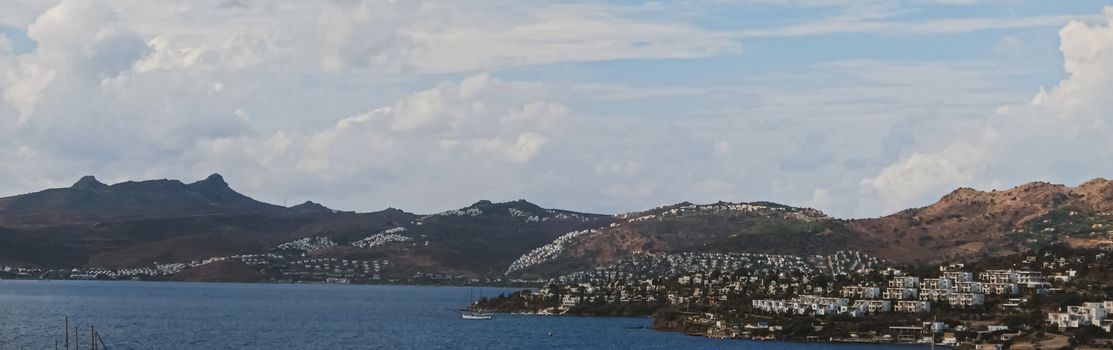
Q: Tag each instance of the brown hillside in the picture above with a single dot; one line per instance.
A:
(222, 271)
(968, 223)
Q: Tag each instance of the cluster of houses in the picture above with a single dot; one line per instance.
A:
(698, 278)
(553, 250)
(813, 286)
(910, 294)
(548, 251)
(534, 216)
(469, 211)
(381, 238)
(334, 270)
(550, 214)
(641, 267)
(849, 263)
(110, 273)
(422, 276)
(690, 209)
(21, 272)
(282, 267)
(308, 244)
(99, 273)
(1088, 314)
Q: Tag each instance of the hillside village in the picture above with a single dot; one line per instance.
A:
(1038, 299)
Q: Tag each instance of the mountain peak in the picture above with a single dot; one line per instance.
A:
(1097, 182)
(89, 182)
(310, 207)
(519, 204)
(214, 179)
(964, 194)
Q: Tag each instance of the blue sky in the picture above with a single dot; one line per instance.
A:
(858, 108)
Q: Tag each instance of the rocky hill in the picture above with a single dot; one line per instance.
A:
(760, 227)
(968, 224)
(964, 226)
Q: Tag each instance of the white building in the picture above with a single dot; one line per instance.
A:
(859, 292)
(959, 276)
(904, 282)
(935, 294)
(1028, 279)
(966, 299)
(1002, 289)
(912, 306)
(970, 287)
(1094, 313)
(803, 305)
(900, 293)
(569, 301)
(874, 306)
(936, 283)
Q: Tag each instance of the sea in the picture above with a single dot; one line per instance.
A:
(171, 315)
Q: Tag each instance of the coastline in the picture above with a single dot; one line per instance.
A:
(399, 282)
(837, 342)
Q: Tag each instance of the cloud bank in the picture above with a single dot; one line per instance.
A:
(603, 107)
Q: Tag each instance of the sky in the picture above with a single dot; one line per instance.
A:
(859, 108)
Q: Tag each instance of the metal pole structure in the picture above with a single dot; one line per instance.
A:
(101, 341)
(67, 333)
(76, 338)
(92, 338)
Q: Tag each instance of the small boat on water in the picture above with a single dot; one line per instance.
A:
(469, 315)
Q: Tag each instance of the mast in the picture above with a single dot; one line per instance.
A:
(67, 328)
(101, 341)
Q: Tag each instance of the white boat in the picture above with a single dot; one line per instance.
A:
(468, 314)
(476, 316)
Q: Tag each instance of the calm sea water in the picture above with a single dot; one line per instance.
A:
(148, 315)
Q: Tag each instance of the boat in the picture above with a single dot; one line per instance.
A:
(469, 315)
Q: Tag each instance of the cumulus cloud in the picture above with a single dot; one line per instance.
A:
(429, 105)
(79, 43)
(561, 34)
(429, 142)
(5, 45)
(365, 33)
(1061, 134)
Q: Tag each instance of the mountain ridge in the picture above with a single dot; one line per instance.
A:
(140, 222)
(90, 199)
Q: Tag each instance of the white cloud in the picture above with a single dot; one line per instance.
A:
(821, 198)
(905, 183)
(366, 33)
(434, 139)
(5, 45)
(428, 105)
(79, 43)
(891, 27)
(1061, 134)
(559, 34)
(18, 14)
